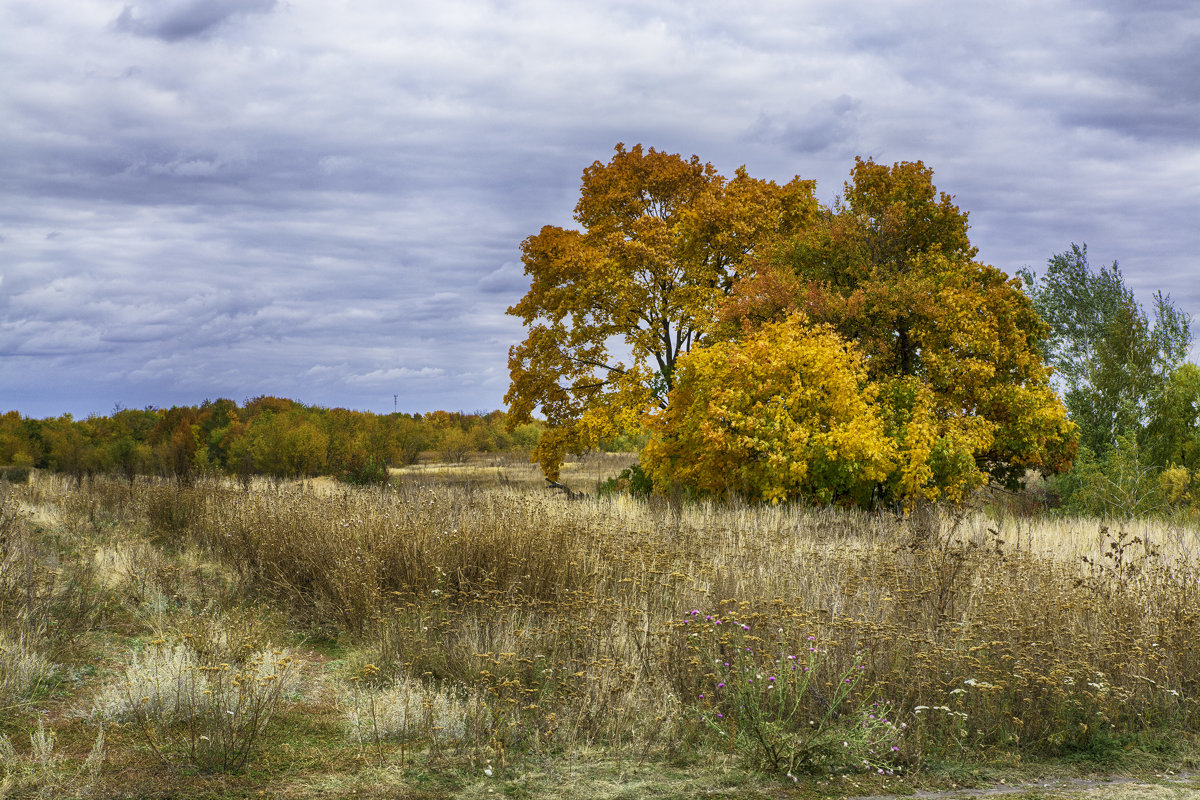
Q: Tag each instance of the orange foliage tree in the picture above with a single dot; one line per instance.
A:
(940, 386)
(611, 308)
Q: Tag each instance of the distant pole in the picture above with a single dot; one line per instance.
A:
(395, 402)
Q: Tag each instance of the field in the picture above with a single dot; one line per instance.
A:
(468, 633)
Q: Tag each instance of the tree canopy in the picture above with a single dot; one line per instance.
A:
(612, 307)
(266, 435)
(1111, 361)
(949, 344)
(933, 352)
(1126, 385)
(787, 412)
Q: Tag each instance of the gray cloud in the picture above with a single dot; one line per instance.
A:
(508, 278)
(829, 124)
(174, 20)
(327, 202)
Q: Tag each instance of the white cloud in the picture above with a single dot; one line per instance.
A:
(386, 377)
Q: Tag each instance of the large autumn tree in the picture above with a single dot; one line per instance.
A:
(613, 306)
(779, 349)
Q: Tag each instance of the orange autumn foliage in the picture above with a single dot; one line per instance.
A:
(612, 307)
(780, 350)
(949, 342)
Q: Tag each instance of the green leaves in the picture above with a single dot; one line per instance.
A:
(1124, 383)
(1173, 435)
(1110, 361)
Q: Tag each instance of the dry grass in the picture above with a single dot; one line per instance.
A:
(23, 670)
(195, 710)
(474, 620)
(514, 470)
(568, 614)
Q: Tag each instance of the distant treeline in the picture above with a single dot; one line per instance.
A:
(264, 436)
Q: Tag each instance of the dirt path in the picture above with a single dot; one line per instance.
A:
(1164, 787)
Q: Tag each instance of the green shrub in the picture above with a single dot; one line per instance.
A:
(632, 481)
(786, 707)
(15, 474)
(366, 473)
(1117, 483)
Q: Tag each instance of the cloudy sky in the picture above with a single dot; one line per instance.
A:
(325, 200)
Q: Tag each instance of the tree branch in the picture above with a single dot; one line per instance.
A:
(599, 364)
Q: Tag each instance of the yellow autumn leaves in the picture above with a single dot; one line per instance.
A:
(788, 413)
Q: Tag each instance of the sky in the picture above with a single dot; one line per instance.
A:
(325, 200)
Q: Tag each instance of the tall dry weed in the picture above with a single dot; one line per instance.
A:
(192, 710)
(24, 670)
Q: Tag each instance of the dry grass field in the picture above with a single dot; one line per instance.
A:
(467, 632)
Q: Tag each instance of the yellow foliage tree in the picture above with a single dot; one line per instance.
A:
(951, 343)
(786, 414)
(611, 308)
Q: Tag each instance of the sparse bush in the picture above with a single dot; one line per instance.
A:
(24, 670)
(411, 711)
(15, 474)
(781, 703)
(39, 774)
(195, 712)
(38, 770)
(169, 509)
